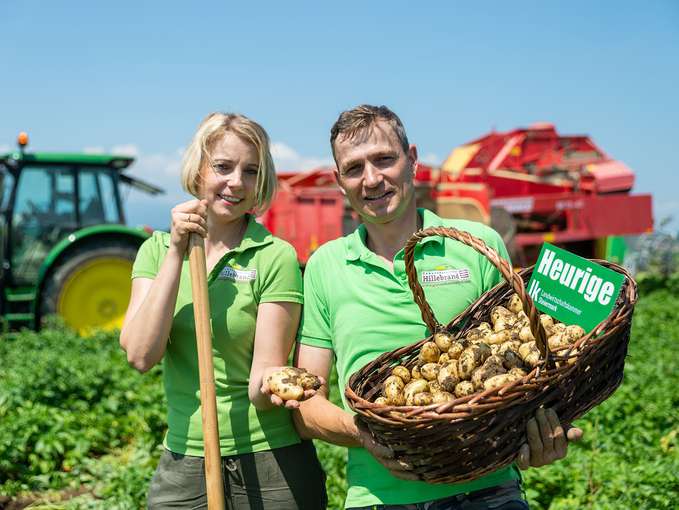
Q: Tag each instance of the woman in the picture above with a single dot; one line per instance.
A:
(255, 293)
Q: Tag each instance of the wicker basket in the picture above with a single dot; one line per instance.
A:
(469, 437)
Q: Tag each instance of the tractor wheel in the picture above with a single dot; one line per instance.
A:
(90, 289)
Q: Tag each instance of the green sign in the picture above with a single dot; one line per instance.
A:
(572, 289)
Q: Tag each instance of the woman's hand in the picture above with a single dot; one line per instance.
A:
(278, 401)
(187, 217)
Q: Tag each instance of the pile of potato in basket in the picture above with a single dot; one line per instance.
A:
(488, 356)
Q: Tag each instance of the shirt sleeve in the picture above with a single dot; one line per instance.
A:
(148, 257)
(282, 280)
(315, 327)
(491, 275)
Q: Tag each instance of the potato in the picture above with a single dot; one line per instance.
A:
(527, 348)
(289, 392)
(498, 337)
(572, 356)
(402, 372)
(456, 349)
(558, 341)
(530, 353)
(546, 321)
(441, 397)
(415, 373)
(477, 334)
(526, 335)
(493, 359)
(466, 364)
(499, 380)
(559, 327)
(421, 399)
(398, 400)
(381, 401)
(434, 387)
(485, 372)
(512, 345)
(292, 371)
(521, 316)
(429, 353)
(444, 359)
(511, 359)
(415, 386)
(502, 324)
(514, 304)
(501, 313)
(448, 377)
(309, 381)
(464, 388)
(443, 341)
(518, 372)
(574, 332)
(471, 358)
(485, 326)
(285, 383)
(393, 388)
(430, 371)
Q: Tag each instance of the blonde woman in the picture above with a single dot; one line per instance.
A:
(255, 293)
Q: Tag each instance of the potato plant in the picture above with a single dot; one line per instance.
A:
(104, 441)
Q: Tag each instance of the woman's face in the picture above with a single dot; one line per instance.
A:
(230, 178)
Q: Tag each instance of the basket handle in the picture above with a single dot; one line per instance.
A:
(515, 281)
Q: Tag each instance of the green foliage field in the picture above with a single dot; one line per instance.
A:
(79, 429)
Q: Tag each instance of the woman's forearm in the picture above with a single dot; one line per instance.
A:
(144, 336)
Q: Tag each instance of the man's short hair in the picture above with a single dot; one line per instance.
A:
(355, 124)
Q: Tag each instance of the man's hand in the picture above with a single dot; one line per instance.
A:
(384, 455)
(275, 399)
(547, 440)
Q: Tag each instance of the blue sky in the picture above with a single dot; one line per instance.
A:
(137, 77)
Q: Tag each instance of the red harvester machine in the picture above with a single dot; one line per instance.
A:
(532, 185)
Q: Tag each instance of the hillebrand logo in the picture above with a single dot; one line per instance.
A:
(445, 276)
(238, 275)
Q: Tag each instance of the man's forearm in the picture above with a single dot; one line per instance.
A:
(318, 418)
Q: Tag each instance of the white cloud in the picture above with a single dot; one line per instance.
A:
(94, 150)
(288, 159)
(125, 150)
(430, 159)
(5, 148)
(162, 169)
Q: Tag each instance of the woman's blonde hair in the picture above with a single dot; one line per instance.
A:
(213, 127)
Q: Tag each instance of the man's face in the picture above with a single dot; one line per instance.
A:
(375, 174)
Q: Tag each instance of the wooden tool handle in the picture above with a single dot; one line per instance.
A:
(208, 399)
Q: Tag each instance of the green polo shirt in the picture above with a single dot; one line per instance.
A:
(358, 307)
(262, 269)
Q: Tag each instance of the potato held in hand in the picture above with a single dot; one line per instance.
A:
(289, 383)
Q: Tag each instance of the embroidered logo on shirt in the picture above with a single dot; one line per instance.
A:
(445, 276)
(238, 274)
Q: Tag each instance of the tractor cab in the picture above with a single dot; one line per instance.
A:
(55, 206)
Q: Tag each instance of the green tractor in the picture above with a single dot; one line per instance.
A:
(64, 246)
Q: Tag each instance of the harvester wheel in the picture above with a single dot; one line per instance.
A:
(504, 224)
(90, 289)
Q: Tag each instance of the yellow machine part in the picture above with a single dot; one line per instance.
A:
(459, 158)
(96, 295)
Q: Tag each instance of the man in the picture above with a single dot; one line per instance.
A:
(358, 305)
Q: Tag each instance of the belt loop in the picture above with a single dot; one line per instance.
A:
(231, 465)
